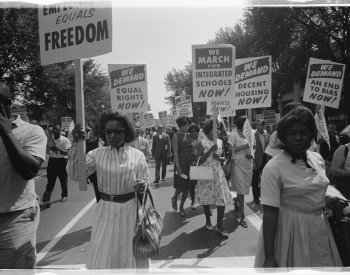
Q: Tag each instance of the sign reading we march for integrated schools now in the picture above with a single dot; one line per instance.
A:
(223, 107)
(128, 88)
(73, 31)
(213, 72)
(183, 105)
(324, 82)
(253, 83)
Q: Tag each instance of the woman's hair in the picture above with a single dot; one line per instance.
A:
(298, 114)
(130, 134)
(208, 126)
(193, 127)
(240, 122)
(182, 120)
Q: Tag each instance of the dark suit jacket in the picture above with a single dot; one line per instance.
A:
(161, 146)
(259, 155)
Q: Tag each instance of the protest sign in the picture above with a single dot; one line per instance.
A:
(269, 117)
(322, 125)
(73, 31)
(183, 105)
(66, 122)
(213, 72)
(252, 83)
(223, 107)
(149, 120)
(172, 121)
(324, 82)
(128, 88)
(163, 117)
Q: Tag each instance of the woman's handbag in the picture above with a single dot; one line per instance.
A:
(146, 242)
(201, 172)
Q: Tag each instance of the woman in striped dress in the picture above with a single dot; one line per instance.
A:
(121, 171)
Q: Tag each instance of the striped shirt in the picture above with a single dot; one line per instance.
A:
(116, 171)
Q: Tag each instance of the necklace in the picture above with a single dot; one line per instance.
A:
(298, 162)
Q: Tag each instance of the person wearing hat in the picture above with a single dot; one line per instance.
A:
(22, 151)
(161, 150)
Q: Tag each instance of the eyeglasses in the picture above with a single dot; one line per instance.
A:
(115, 131)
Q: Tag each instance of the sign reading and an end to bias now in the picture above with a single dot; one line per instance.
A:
(183, 104)
(73, 31)
(213, 72)
(324, 82)
(128, 88)
(253, 83)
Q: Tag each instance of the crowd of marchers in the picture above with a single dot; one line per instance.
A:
(290, 172)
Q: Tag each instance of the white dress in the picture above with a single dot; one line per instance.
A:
(113, 225)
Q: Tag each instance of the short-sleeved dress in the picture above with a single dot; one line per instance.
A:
(303, 237)
(217, 191)
(186, 152)
(242, 172)
(114, 224)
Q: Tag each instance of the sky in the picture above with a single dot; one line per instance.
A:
(161, 36)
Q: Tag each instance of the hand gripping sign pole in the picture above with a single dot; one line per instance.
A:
(79, 98)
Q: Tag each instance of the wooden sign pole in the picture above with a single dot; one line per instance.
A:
(80, 112)
(215, 126)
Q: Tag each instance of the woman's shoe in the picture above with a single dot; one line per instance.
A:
(209, 227)
(182, 213)
(243, 223)
(174, 203)
(223, 233)
(192, 207)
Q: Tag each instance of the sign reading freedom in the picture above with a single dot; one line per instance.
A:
(74, 31)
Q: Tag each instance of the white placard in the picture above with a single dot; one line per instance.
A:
(253, 83)
(324, 82)
(128, 88)
(74, 30)
(213, 72)
(183, 105)
(223, 107)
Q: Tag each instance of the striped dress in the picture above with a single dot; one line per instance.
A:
(111, 244)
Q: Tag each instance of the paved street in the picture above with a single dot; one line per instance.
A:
(65, 228)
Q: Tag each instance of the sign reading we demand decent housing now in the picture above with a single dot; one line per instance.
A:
(128, 88)
(253, 83)
(74, 30)
(324, 82)
(213, 72)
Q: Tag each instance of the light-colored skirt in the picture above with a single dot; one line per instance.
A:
(111, 244)
(302, 240)
(241, 175)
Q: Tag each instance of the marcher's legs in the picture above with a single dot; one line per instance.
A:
(240, 199)
(164, 165)
(183, 199)
(18, 238)
(192, 193)
(207, 214)
(63, 177)
(255, 185)
(157, 170)
(220, 217)
(51, 179)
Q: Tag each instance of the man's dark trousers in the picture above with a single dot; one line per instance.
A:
(161, 160)
(56, 167)
(255, 183)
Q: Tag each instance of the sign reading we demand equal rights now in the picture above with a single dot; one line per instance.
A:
(253, 83)
(128, 88)
(74, 30)
(324, 82)
(213, 72)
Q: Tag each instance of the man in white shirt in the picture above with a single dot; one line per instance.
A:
(22, 151)
(56, 167)
(142, 144)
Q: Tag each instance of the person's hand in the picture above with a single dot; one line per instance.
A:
(178, 170)
(78, 133)
(213, 148)
(270, 261)
(139, 186)
(5, 123)
(335, 203)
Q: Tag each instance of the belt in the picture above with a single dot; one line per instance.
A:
(118, 198)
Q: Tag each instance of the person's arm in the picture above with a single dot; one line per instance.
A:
(338, 163)
(176, 154)
(204, 157)
(25, 164)
(270, 222)
(169, 146)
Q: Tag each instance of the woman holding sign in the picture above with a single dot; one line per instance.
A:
(121, 171)
(242, 172)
